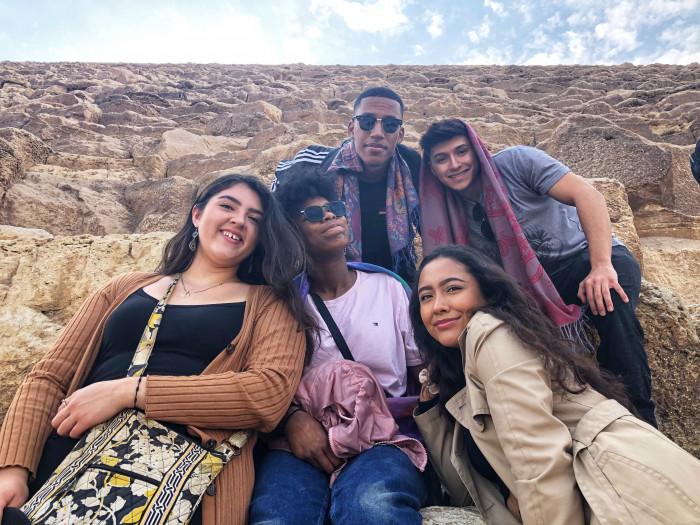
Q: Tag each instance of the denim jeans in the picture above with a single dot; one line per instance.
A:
(621, 349)
(379, 486)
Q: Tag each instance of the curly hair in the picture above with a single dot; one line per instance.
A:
(507, 301)
(293, 192)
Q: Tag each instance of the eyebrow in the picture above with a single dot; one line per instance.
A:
(443, 283)
(236, 201)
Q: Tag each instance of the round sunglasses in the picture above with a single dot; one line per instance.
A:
(316, 213)
(389, 124)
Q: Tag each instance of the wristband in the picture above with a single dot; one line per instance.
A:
(285, 419)
(136, 395)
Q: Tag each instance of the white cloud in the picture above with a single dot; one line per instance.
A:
(373, 17)
(538, 40)
(681, 46)
(436, 23)
(583, 18)
(481, 32)
(492, 55)
(572, 48)
(417, 50)
(525, 10)
(232, 37)
(618, 39)
(554, 20)
(496, 7)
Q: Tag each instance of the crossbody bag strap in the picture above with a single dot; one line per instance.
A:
(148, 338)
(332, 327)
(145, 346)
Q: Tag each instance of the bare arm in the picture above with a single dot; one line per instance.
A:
(593, 213)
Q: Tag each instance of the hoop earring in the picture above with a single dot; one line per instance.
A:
(193, 242)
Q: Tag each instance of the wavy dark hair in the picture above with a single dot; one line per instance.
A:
(277, 258)
(507, 301)
(442, 131)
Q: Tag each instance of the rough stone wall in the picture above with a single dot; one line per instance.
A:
(96, 157)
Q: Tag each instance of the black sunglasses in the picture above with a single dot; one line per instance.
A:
(316, 213)
(389, 124)
(479, 214)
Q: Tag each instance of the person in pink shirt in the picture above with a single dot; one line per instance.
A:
(369, 307)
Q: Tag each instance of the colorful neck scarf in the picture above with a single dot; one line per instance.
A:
(445, 222)
(402, 205)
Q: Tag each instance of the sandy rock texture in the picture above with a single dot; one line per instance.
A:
(96, 159)
(451, 516)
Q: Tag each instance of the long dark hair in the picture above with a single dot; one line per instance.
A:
(277, 258)
(507, 301)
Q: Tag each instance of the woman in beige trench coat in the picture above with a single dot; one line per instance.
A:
(524, 426)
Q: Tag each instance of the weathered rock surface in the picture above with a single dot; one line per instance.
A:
(88, 151)
(19, 151)
(672, 343)
(451, 516)
(44, 280)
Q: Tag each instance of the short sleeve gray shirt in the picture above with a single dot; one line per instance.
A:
(553, 229)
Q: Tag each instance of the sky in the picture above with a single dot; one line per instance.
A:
(352, 32)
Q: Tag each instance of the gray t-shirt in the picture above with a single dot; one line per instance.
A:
(553, 229)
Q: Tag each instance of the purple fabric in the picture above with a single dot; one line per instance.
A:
(402, 203)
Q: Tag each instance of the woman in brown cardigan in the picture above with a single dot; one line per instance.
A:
(228, 355)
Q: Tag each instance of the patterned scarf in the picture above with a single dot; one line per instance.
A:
(402, 205)
(445, 222)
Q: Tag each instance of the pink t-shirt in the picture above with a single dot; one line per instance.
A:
(373, 318)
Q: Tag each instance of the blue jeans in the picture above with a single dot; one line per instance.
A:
(379, 486)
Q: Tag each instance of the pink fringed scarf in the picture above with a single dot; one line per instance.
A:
(444, 221)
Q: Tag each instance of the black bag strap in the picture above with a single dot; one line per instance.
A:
(332, 327)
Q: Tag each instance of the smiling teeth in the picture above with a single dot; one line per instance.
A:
(232, 236)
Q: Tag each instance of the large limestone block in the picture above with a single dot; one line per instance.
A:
(179, 142)
(674, 264)
(19, 151)
(44, 281)
(596, 147)
(652, 220)
(673, 348)
(160, 205)
(64, 206)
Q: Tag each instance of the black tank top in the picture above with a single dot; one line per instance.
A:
(189, 338)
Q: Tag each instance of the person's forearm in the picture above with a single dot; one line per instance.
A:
(595, 221)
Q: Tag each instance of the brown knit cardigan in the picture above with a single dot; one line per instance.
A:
(248, 385)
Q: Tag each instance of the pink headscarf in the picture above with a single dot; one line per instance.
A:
(444, 221)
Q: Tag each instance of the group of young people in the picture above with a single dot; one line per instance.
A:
(292, 317)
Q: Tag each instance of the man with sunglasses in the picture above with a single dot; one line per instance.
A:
(549, 229)
(376, 177)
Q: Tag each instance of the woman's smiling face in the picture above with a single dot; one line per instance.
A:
(229, 225)
(448, 295)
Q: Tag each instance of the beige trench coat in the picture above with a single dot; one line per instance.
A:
(573, 459)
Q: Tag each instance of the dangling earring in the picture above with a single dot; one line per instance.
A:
(250, 265)
(345, 250)
(193, 242)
